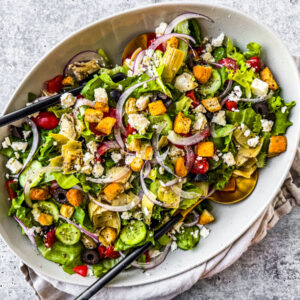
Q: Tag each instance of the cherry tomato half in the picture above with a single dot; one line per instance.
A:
(46, 120)
(81, 270)
(130, 130)
(151, 39)
(200, 166)
(191, 94)
(54, 85)
(94, 130)
(108, 252)
(229, 63)
(50, 238)
(254, 63)
(11, 193)
(231, 105)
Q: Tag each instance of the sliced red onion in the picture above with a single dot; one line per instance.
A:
(119, 208)
(190, 157)
(79, 57)
(147, 171)
(166, 37)
(188, 141)
(226, 91)
(149, 194)
(122, 99)
(183, 17)
(32, 176)
(169, 183)
(183, 194)
(224, 101)
(77, 187)
(216, 64)
(83, 101)
(213, 130)
(194, 222)
(137, 61)
(117, 134)
(254, 100)
(93, 236)
(27, 230)
(110, 179)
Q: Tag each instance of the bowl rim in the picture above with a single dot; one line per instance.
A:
(226, 9)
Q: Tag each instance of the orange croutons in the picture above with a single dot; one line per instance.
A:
(172, 42)
(277, 145)
(206, 217)
(130, 106)
(205, 149)
(101, 106)
(148, 152)
(45, 219)
(157, 108)
(267, 76)
(113, 190)
(134, 145)
(202, 73)
(230, 186)
(136, 164)
(182, 124)
(69, 80)
(106, 125)
(180, 168)
(93, 115)
(107, 236)
(39, 194)
(211, 104)
(74, 197)
(67, 210)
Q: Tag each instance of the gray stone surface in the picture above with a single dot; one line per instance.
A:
(29, 28)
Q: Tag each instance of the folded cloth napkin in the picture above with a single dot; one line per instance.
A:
(287, 198)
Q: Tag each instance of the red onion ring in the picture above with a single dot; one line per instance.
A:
(117, 134)
(169, 183)
(147, 171)
(213, 130)
(83, 101)
(124, 96)
(81, 56)
(183, 17)
(91, 235)
(109, 179)
(216, 64)
(224, 101)
(229, 85)
(137, 61)
(183, 194)
(196, 220)
(166, 37)
(188, 141)
(190, 157)
(26, 230)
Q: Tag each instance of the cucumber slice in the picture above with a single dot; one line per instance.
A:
(213, 84)
(133, 233)
(49, 208)
(30, 168)
(162, 119)
(68, 234)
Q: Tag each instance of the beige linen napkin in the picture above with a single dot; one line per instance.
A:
(287, 198)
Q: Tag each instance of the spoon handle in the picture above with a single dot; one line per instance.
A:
(131, 257)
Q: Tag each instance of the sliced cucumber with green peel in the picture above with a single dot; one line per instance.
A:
(133, 233)
(213, 84)
(162, 119)
(35, 165)
(49, 208)
(68, 234)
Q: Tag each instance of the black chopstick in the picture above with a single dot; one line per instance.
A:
(118, 268)
(35, 107)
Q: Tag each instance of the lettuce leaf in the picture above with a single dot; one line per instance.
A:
(104, 266)
(89, 187)
(253, 50)
(195, 30)
(183, 27)
(232, 52)
(183, 105)
(147, 136)
(220, 176)
(88, 90)
(65, 181)
(118, 69)
(82, 218)
(58, 110)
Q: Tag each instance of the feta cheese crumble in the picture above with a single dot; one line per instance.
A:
(97, 170)
(14, 165)
(219, 118)
(116, 156)
(200, 121)
(228, 159)
(129, 159)
(204, 232)
(185, 82)
(26, 134)
(266, 125)
(247, 133)
(101, 95)
(259, 87)
(253, 142)
(283, 109)
(236, 94)
(160, 30)
(6, 143)
(92, 146)
(19, 146)
(67, 100)
(218, 41)
(142, 102)
(139, 122)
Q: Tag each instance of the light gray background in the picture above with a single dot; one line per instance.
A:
(29, 28)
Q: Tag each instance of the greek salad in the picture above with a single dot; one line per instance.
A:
(91, 178)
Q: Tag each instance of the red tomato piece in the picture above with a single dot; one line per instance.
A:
(191, 94)
(50, 238)
(79, 96)
(54, 186)
(200, 166)
(11, 193)
(94, 130)
(111, 253)
(101, 150)
(231, 105)
(46, 120)
(54, 85)
(147, 256)
(101, 251)
(81, 270)
(229, 63)
(130, 130)
(255, 63)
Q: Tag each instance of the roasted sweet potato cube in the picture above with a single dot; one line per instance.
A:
(93, 115)
(113, 190)
(205, 149)
(180, 168)
(182, 124)
(230, 186)
(277, 145)
(69, 80)
(102, 107)
(267, 76)
(106, 125)
(206, 217)
(45, 219)
(202, 73)
(157, 108)
(211, 104)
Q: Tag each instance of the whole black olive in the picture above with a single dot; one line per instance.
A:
(16, 131)
(271, 117)
(115, 94)
(90, 257)
(60, 196)
(200, 177)
(261, 108)
(46, 229)
(82, 141)
(118, 77)
(209, 115)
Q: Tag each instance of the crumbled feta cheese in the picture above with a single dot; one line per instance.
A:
(35, 212)
(34, 115)
(67, 100)
(139, 122)
(126, 215)
(101, 95)
(173, 246)
(174, 151)
(138, 215)
(236, 94)
(87, 169)
(146, 211)
(161, 170)
(283, 109)
(88, 158)
(142, 102)
(129, 159)
(253, 142)
(160, 30)
(242, 126)
(14, 165)
(199, 108)
(19, 146)
(26, 134)
(200, 121)
(92, 146)
(6, 143)
(215, 157)
(208, 57)
(266, 125)
(208, 47)
(98, 170)
(247, 133)
(204, 232)
(185, 82)
(259, 87)
(17, 155)
(116, 156)
(219, 118)
(228, 159)
(218, 41)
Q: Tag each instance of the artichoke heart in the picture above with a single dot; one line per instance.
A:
(72, 157)
(167, 195)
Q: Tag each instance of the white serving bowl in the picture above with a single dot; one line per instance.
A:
(112, 34)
